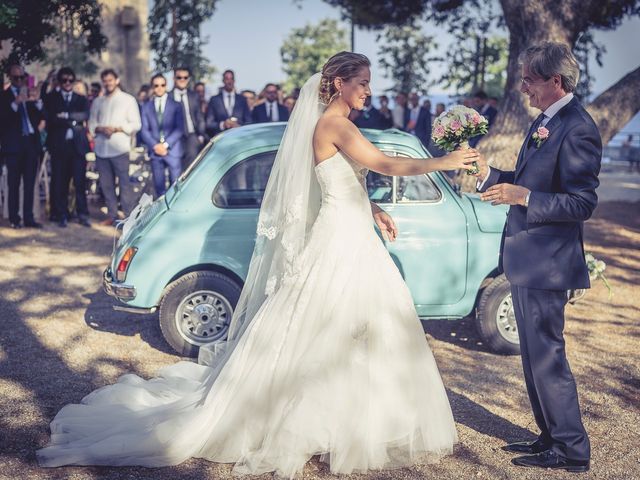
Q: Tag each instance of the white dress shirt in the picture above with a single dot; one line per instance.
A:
(549, 113)
(229, 101)
(66, 97)
(272, 111)
(181, 96)
(116, 110)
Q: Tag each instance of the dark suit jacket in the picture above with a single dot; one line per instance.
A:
(372, 118)
(172, 126)
(216, 113)
(11, 122)
(423, 126)
(490, 114)
(542, 245)
(78, 111)
(259, 113)
(197, 117)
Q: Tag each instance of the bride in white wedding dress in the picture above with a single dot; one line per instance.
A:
(326, 355)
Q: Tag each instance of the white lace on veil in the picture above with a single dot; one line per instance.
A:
(289, 208)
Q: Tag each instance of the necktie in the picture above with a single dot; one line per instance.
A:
(67, 100)
(25, 119)
(269, 113)
(159, 117)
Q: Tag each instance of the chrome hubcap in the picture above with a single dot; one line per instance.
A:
(506, 320)
(203, 317)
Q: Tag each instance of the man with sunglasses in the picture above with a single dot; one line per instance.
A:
(20, 140)
(194, 126)
(67, 114)
(163, 133)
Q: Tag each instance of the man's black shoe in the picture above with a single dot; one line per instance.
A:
(552, 460)
(32, 224)
(63, 222)
(16, 226)
(526, 447)
(84, 222)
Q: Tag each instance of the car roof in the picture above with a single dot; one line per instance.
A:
(267, 134)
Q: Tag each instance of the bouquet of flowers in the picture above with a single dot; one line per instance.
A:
(453, 129)
(596, 270)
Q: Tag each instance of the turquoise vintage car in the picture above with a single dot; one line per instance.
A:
(187, 253)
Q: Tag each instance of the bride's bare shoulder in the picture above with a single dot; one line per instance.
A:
(326, 135)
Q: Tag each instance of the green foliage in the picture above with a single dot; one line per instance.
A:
(174, 35)
(377, 15)
(404, 55)
(306, 49)
(28, 23)
(584, 50)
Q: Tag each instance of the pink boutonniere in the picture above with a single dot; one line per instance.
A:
(540, 135)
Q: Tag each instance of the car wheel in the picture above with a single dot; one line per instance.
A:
(496, 320)
(196, 309)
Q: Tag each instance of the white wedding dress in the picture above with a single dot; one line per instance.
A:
(334, 363)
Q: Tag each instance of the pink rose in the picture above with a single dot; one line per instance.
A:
(543, 133)
(476, 118)
(438, 132)
(455, 125)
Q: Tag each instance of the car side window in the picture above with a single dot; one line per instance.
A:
(386, 189)
(244, 184)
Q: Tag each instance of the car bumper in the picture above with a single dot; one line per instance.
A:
(121, 291)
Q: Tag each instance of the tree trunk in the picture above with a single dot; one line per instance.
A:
(535, 21)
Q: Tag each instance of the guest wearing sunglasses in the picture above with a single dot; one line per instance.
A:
(20, 140)
(67, 114)
(163, 133)
(194, 123)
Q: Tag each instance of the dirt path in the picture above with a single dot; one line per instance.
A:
(60, 340)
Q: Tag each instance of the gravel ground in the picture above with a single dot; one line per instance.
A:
(60, 340)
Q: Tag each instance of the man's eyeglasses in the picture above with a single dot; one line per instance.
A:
(271, 91)
(527, 83)
(67, 80)
(181, 77)
(158, 85)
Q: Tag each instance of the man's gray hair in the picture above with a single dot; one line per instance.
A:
(551, 58)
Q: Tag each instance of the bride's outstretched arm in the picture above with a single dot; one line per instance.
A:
(353, 143)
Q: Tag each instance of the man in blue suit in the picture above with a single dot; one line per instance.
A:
(228, 109)
(163, 133)
(270, 110)
(551, 192)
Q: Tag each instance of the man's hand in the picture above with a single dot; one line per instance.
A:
(20, 98)
(386, 225)
(231, 123)
(160, 149)
(505, 194)
(483, 168)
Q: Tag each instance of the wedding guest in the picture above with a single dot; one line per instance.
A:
(493, 101)
(67, 113)
(21, 148)
(201, 90)
(385, 112)
(251, 98)
(369, 117)
(400, 113)
(289, 102)
(419, 121)
(194, 123)
(143, 94)
(481, 103)
(95, 90)
(228, 109)
(427, 105)
(440, 108)
(627, 153)
(114, 121)
(163, 133)
(270, 110)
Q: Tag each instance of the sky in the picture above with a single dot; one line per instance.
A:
(246, 36)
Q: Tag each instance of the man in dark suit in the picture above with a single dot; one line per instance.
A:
(228, 109)
(67, 113)
(270, 110)
(163, 133)
(194, 126)
(20, 140)
(551, 192)
(369, 117)
(419, 119)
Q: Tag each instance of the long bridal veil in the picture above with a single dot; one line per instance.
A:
(289, 208)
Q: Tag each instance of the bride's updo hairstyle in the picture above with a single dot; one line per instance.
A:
(344, 65)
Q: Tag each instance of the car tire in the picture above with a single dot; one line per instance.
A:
(495, 318)
(196, 309)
